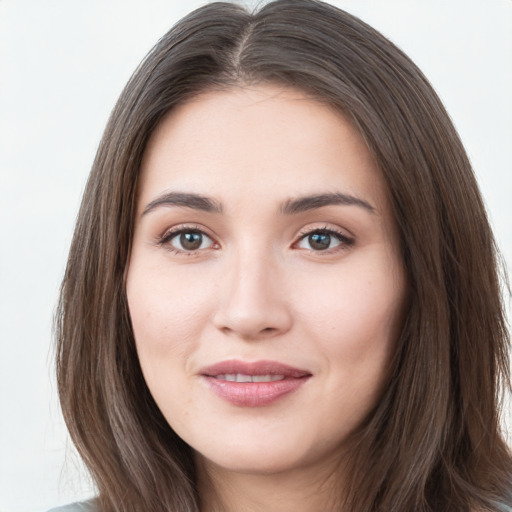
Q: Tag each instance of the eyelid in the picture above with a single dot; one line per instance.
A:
(170, 233)
(346, 240)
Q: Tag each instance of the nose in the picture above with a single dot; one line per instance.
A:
(252, 301)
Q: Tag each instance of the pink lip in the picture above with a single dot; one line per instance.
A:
(253, 394)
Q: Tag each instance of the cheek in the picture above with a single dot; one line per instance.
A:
(167, 314)
(356, 314)
(356, 326)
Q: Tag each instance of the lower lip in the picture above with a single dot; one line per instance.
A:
(254, 394)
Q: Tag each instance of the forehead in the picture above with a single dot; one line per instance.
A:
(266, 139)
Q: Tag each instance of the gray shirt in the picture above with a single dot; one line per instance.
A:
(83, 506)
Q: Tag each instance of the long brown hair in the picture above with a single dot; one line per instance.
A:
(433, 442)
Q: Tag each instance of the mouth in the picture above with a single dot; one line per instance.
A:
(240, 377)
(253, 384)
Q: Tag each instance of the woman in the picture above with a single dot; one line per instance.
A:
(282, 292)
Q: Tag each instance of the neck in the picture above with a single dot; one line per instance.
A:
(306, 489)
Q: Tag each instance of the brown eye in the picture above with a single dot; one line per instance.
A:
(322, 240)
(319, 241)
(189, 241)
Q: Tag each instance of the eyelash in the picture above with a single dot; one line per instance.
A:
(344, 241)
(166, 238)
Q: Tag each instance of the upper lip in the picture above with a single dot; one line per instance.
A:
(253, 368)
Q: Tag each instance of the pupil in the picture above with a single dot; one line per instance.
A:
(191, 241)
(320, 241)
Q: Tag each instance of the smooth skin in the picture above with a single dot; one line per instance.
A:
(250, 270)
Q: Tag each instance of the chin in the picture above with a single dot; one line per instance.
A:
(251, 461)
(263, 454)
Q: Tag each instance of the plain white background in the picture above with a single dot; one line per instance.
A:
(62, 65)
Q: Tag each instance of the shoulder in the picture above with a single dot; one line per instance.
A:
(83, 506)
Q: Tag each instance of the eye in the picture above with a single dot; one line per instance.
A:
(187, 240)
(324, 240)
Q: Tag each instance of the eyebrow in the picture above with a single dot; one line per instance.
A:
(188, 200)
(289, 207)
(313, 202)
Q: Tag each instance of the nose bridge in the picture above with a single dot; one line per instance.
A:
(252, 302)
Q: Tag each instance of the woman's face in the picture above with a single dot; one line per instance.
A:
(265, 284)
